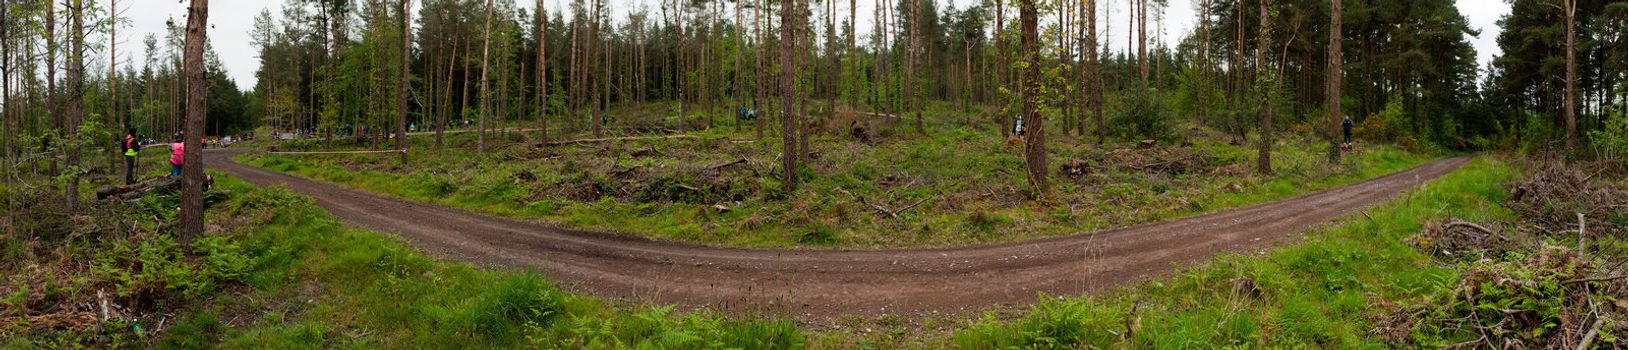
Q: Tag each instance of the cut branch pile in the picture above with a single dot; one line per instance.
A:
(1552, 299)
(1551, 198)
(1457, 239)
(1173, 161)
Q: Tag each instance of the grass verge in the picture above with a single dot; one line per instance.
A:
(1321, 292)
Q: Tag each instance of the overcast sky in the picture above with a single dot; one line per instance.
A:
(230, 21)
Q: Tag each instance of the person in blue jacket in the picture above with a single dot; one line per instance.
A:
(1346, 127)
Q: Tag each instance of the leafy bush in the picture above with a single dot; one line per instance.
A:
(1387, 125)
(1612, 138)
(1143, 115)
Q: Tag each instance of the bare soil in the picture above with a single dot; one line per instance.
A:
(823, 285)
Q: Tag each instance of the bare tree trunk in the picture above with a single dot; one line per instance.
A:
(485, 98)
(542, 72)
(1005, 64)
(804, 43)
(1335, 74)
(192, 174)
(1034, 122)
(595, 51)
(758, 10)
(76, 98)
(1093, 81)
(1571, 75)
(1204, 62)
(853, 47)
(831, 50)
(51, 106)
(679, 71)
(114, 124)
(1142, 38)
(788, 121)
(915, 55)
(1267, 85)
(406, 68)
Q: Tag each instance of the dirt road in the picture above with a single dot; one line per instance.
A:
(822, 285)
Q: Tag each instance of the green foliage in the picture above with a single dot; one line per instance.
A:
(1142, 114)
(1236, 121)
(1612, 138)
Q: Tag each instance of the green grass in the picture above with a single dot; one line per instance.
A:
(358, 289)
(970, 181)
(1321, 293)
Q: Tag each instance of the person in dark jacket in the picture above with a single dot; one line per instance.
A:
(1346, 127)
(131, 147)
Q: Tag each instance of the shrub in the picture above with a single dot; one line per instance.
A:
(1143, 115)
(1612, 138)
(1235, 122)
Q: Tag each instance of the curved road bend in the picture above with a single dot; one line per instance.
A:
(825, 284)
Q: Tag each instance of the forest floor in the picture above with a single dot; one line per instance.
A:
(956, 185)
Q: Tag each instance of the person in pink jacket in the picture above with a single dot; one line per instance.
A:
(177, 149)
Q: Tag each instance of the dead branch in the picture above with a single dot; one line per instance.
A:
(725, 165)
(1594, 279)
(884, 210)
(1589, 337)
(1472, 225)
(912, 206)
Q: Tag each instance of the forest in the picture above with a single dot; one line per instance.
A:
(973, 174)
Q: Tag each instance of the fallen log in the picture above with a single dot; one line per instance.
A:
(625, 138)
(142, 188)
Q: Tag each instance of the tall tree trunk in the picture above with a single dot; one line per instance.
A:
(1266, 83)
(758, 10)
(541, 103)
(51, 106)
(831, 50)
(406, 68)
(1571, 75)
(788, 74)
(1089, 50)
(853, 48)
(192, 174)
(1335, 74)
(76, 98)
(114, 124)
(1142, 38)
(1034, 122)
(678, 68)
(1204, 63)
(917, 54)
(597, 58)
(1001, 73)
(485, 97)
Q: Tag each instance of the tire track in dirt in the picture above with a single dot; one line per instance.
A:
(822, 285)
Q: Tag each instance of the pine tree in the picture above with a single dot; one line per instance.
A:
(1034, 123)
(192, 174)
(1334, 75)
